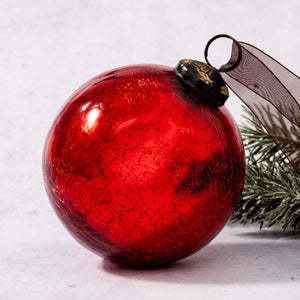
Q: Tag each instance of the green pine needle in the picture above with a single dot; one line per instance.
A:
(271, 194)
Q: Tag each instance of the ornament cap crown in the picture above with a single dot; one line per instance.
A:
(203, 78)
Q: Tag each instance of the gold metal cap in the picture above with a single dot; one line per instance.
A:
(203, 78)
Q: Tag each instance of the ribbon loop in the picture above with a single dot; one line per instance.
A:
(271, 92)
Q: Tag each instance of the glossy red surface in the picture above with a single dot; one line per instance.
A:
(140, 169)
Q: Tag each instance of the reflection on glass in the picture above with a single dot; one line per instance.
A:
(92, 117)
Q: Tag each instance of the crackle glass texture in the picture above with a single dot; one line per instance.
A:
(140, 169)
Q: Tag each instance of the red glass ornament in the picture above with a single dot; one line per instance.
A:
(141, 169)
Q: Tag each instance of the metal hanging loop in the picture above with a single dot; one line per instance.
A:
(238, 58)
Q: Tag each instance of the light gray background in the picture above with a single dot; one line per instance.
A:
(47, 50)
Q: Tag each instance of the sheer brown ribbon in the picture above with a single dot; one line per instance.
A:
(271, 92)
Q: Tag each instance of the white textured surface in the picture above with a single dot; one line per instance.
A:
(47, 50)
(44, 262)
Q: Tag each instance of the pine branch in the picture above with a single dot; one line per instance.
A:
(271, 194)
